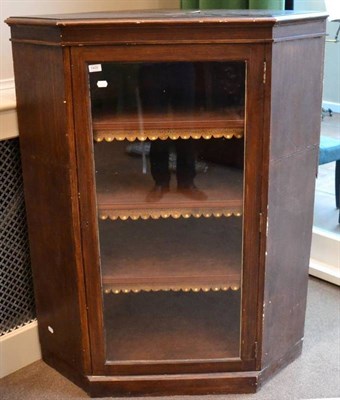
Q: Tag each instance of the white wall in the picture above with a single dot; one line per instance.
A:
(37, 7)
(331, 89)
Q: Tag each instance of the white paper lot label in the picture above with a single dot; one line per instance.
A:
(102, 84)
(95, 68)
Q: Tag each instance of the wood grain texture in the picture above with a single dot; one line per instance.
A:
(172, 326)
(295, 129)
(276, 366)
(283, 55)
(48, 158)
(48, 35)
(189, 384)
(250, 17)
(116, 169)
(296, 30)
(294, 126)
(144, 255)
(225, 26)
(253, 56)
(232, 118)
(288, 248)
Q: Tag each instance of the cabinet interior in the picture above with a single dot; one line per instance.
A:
(171, 266)
(172, 325)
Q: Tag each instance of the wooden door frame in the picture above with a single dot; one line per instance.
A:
(253, 55)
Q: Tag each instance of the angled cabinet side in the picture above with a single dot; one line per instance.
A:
(294, 125)
(45, 116)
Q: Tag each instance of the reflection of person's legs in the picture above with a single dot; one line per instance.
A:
(151, 86)
(185, 168)
(186, 171)
(159, 162)
(181, 84)
(154, 100)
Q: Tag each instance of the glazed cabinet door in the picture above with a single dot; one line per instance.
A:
(169, 150)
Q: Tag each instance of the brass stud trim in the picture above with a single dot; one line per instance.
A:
(134, 215)
(165, 134)
(187, 289)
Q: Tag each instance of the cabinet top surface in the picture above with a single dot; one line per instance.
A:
(168, 17)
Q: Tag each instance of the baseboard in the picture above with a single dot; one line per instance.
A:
(8, 114)
(8, 124)
(335, 107)
(7, 84)
(325, 260)
(324, 271)
(19, 348)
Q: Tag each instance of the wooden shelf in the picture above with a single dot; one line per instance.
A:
(171, 255)
(227, 123)
(122, 189)
(169, 326)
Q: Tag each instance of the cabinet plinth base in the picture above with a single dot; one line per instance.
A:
(174, 384)
(272, 369)
(171, 385)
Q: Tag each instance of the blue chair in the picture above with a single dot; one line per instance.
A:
(329, 152)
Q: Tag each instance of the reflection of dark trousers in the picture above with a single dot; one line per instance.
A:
(164, 88)
(167, 87)
(185, 162)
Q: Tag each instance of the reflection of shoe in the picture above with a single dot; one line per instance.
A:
(156, 193)
(192, 192)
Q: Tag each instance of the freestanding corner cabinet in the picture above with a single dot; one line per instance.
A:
(169, 161)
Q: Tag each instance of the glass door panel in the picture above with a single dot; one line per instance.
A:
(169, 164)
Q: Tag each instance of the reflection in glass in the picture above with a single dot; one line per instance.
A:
(184, 155)
(169, 162)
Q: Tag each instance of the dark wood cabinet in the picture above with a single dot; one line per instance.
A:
(169, 161)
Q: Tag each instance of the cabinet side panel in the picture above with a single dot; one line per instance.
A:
(49, 170)
(288, 248)
(294, 137)
(297, 69)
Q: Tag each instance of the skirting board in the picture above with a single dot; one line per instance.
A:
(324, 272)
(8, 114)
(335, 107)
(8, 124)
(19, 348)
(325, 256)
